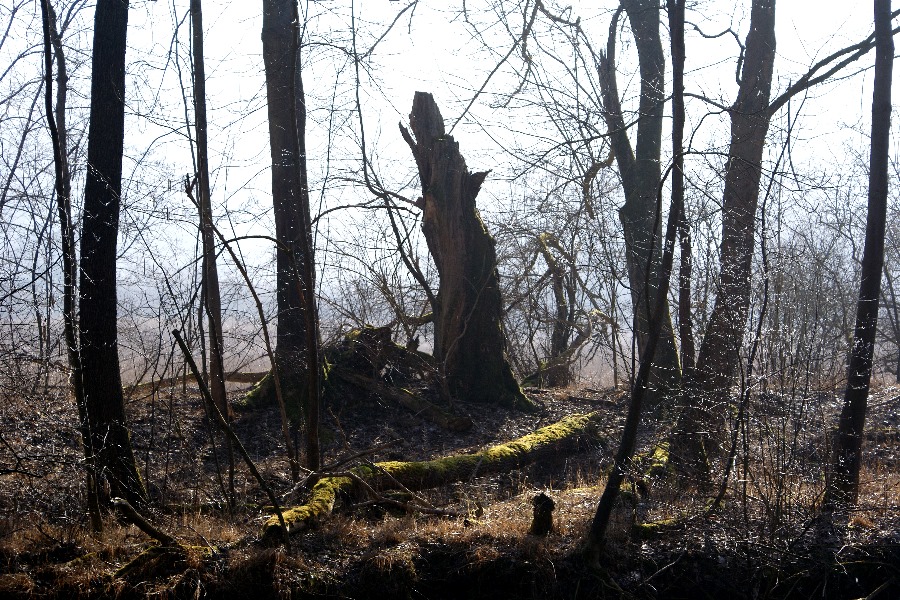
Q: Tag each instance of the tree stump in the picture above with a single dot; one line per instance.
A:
(469, 342)
(542, 522)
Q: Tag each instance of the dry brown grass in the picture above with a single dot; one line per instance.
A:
(45, 548)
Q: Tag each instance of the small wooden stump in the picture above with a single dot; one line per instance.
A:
(542, 523)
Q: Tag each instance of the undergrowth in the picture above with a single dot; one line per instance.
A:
(665, 542)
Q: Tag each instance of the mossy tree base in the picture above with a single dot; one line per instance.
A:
(559, 439)
(366, 361)
(294, 390)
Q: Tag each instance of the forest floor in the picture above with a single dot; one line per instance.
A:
(664, 542)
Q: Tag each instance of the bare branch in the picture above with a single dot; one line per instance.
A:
(843, 57)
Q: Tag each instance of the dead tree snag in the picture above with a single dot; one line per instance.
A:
(469, 342)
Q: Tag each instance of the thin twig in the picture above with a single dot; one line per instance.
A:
(380, 499)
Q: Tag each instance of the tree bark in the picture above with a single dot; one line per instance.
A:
(297, 349)
(109, 441)
(469, 342)
(708, 386)
(685, 312)
(56, 122)
(596, 537)
(639, 168)
(843, 485)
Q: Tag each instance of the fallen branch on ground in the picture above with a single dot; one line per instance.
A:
(132, 516)
(233, 377)
(565, 437)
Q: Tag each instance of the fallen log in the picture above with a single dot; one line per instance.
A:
(232, 377)
(562, 438)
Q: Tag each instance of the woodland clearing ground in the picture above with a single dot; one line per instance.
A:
(45, 548)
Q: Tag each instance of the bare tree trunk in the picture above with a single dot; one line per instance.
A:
(210, 276)
(468, 334)
(210, 272)
(63, 182)
(597, 533)
(307, 279)
(639, 169)
(843, 485)
(109, 441)
(297, 348)
(685, 275)
(558, 371)
(708, 386)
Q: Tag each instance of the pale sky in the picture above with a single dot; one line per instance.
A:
(432, 49)
(437, 54)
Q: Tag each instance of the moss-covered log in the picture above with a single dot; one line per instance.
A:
(559, 439)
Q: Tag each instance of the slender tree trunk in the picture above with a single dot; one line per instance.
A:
(210, 277)
(707, 389)
(558, 372)
(308, 273)
(685, 315)
(297, 348)
(639, 169)
(843, 485)
(468, 334)
(63, 181)
(685, 318)
(597, 533)
(109, 441)
(210, 271)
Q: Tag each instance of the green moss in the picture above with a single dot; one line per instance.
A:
(420, 475)
(321, 501)
(294, 391)
(652, 529)
(258, 394)
(659, 461)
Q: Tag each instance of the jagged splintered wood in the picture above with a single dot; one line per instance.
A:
(469, 341)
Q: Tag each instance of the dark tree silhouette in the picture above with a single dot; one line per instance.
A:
(843, 485)
(596, 537)
(639, 168)
(211, 296)
(707, 386)
(469, 341)
(108, 442)
(297, 346)
(56, 123)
